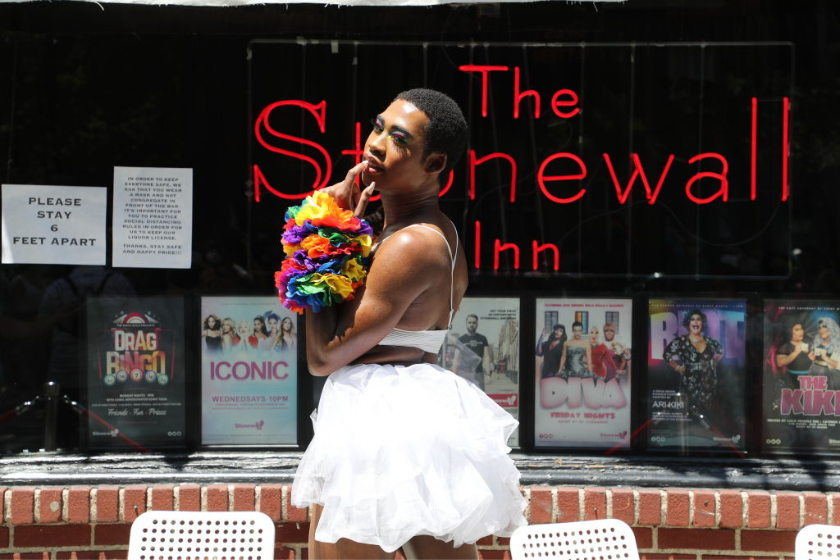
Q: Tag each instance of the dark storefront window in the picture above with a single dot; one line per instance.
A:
(725, 135)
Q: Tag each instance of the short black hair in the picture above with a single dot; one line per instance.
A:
(446, 132)
(692, 313)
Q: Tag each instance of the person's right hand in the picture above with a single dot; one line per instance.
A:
(347, 193)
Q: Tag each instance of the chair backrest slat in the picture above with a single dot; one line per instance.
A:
(602, 539)
(193, 535)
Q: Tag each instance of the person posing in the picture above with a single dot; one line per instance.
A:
(259, 329)
(552, 351)
(405, 453)
(826, 352)
(273, 323)
(695, 357)
(229, 338)
(601, 356)
(577, 354)
(286, 337)
(478, 344)
(619, 352)
(212, 335)
(793, 357)
(246, 341)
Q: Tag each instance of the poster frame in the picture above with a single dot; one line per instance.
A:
(748, 383)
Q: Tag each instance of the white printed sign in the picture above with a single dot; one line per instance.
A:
(50, 224)
(152, 217)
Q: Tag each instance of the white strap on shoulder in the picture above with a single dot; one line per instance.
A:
(452, 257)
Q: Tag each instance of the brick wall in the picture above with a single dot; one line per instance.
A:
(94, 522)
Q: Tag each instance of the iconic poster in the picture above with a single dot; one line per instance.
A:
(801, 376)
(696, 375)
(135, 372)
(583, 358)
(248, 372)
(483, 346)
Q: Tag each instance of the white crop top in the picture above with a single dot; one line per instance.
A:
(431, 340)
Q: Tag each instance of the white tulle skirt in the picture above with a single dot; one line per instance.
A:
(413, 450)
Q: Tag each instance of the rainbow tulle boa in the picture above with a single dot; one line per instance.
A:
(326, 250)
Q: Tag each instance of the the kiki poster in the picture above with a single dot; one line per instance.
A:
(801, 376)
(248, 371)
(135, 372)
(696, 375)
(583, 359)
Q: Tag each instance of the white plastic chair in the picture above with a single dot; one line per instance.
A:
(601, 539)
(817, 542)
(193, 535)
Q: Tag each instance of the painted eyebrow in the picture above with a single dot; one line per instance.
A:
(396, 127)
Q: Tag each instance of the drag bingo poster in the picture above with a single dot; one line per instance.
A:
(696, 375)
(483, 346)
(248, 371)
(801, 376)
(135, 372)
(583, 357)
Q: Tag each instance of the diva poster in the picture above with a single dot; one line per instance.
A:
(695, 388)
(483, 346)
(135, 372)
(248, 371)
(801, 377)
(583, 358)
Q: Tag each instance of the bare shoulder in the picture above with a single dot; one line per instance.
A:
(421, 245)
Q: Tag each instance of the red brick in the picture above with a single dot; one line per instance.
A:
(60, 535)
(270, 500)
(244, 497)
(26, 556)
(644, 537)
(217, 497)
(93, 555)
(288, 533)
(112, 534)
(648, 556)
(704, 508)
(835, 507)
(283, 553)
(23, 506)
(4, 537)
(294, 513)
(816, 508)
(541, 505)
(78, 505)
(134, 502)
(189, 497)
(2, 504)
(768, 541)
(568, 505)
(485, 541)
(49, 505)
(731, 509)
(729, 557)
(650, 507)
(678, 508)
(494, 554)
(163, 498)
(107, 504)
(594, 503)
(787, 510)
(758, 510)
(623, 505)
(701, 539)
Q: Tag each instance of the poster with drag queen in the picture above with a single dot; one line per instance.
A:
(583, 357)
(696, 374)
(248, 371)
(801, 377)
(483, 346)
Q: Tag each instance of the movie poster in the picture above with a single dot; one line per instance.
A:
(583, 358)
(135, 372)
(801, 376)
(248, 371)
(696, 375)
(483, 347)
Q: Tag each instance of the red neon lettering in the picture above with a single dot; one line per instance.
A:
(319, 111)
(556, 103)
(536, 248)
(448, 186)
(517, 96)
(542, 177)
(753, 147)
(723, 191)
(785, 146)
(498, 247)
(485, 80)
(476, 162)
(638, 171)
(477, 245)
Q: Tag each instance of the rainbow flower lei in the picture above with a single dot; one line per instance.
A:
(326, 250)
